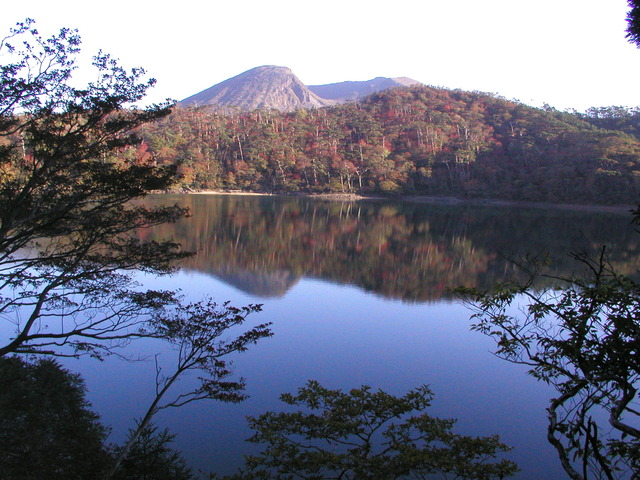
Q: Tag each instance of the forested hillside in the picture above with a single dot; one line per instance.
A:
(415, 140)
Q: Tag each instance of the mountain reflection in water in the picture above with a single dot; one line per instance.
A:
(263, 245)
(357, 293)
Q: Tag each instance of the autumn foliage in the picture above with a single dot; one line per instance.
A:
(414, 140)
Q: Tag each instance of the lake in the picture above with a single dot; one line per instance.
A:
(358, 294)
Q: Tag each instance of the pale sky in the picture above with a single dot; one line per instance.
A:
(567, 53)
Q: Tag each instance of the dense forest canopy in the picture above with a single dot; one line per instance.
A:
(413, 140)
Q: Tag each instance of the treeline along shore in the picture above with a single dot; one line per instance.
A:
(411, 141)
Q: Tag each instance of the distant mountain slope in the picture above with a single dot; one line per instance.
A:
(272, 87)
(349, 91)
(266, 87)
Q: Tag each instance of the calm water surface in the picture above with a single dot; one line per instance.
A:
(357, 293)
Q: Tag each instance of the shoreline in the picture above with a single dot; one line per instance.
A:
(426, 199)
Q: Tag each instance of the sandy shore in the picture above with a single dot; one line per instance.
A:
(622, 209)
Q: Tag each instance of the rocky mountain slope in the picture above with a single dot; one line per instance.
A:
(266, 87)
(348, 91)
(273, 87)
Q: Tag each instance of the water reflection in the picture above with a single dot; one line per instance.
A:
(302, 258)
(411, 251)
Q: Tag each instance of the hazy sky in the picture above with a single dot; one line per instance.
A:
(568, 53)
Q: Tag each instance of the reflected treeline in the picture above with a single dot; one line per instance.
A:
(412, 251)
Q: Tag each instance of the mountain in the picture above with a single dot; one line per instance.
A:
(272, 87)
(348, 91)
(266, 87)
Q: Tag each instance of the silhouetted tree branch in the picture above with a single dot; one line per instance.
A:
(69, 224)
(633, 22)
(67, 221)
(195, 333)
(582, 337)
(367, 434)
